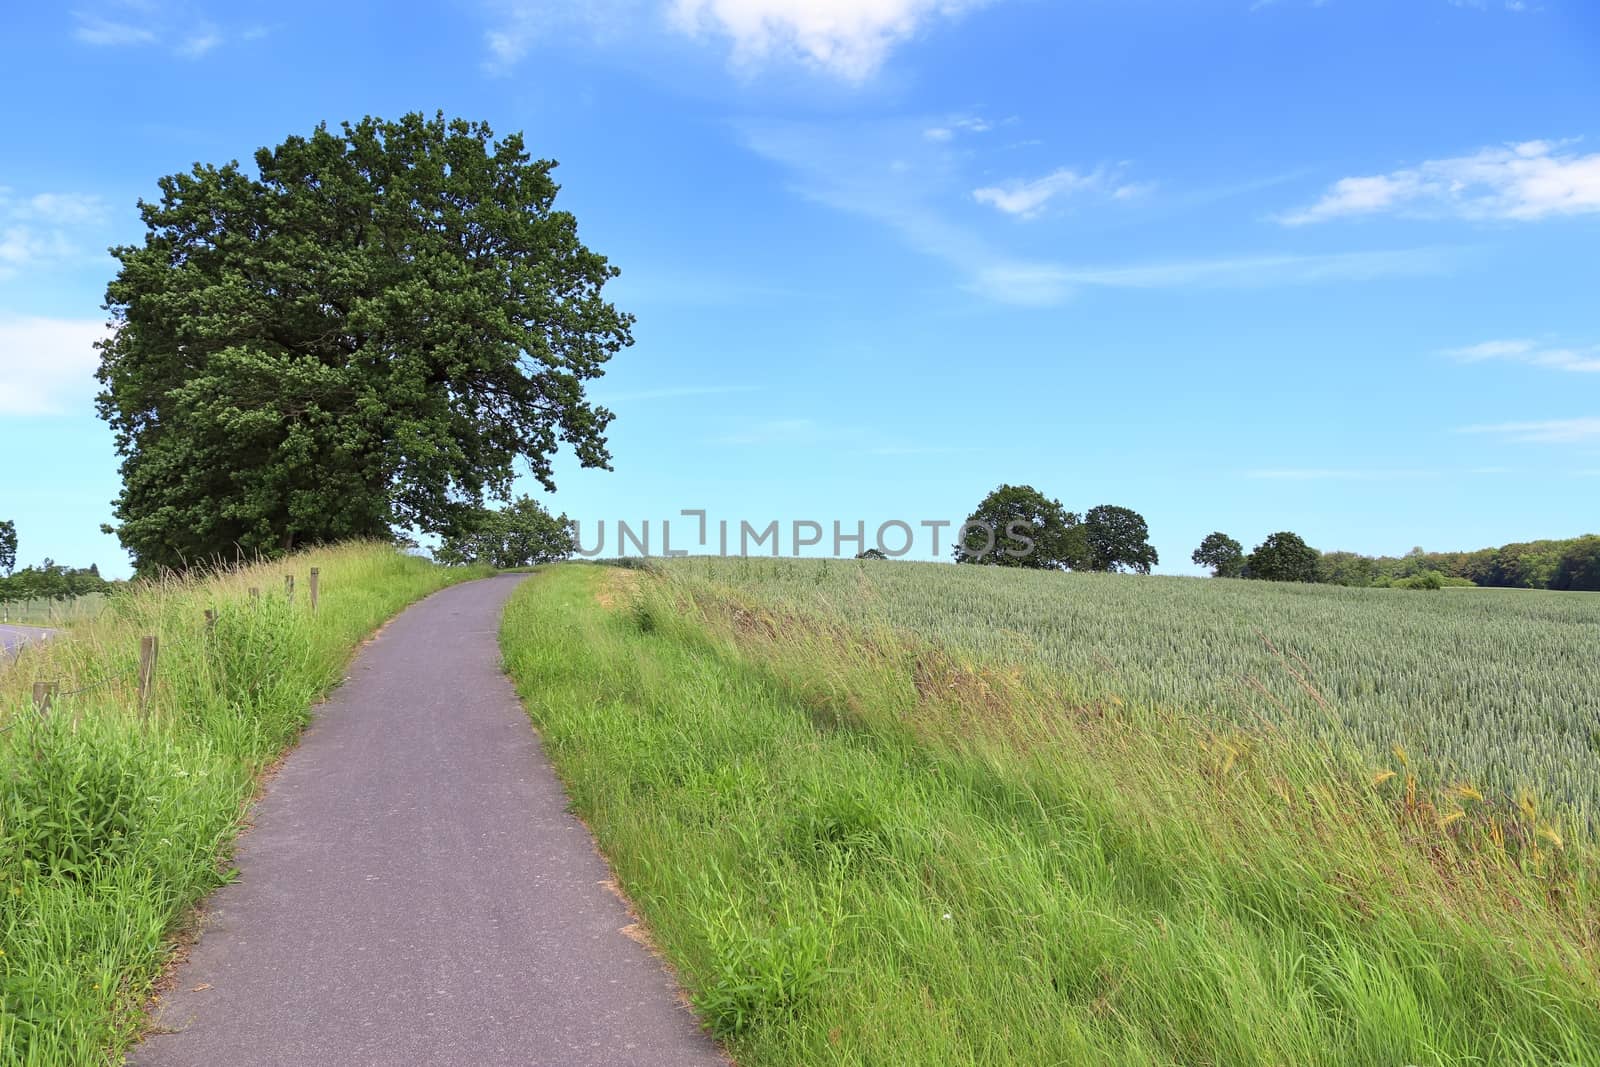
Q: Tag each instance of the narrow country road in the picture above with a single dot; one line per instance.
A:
(13, 636)
(413, 890)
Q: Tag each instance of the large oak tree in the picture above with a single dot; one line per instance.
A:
(373, 333)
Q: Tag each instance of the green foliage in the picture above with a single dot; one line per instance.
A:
(369, 334)
(520, 534)
(871, 553)
(1579, 567)
(112, 827)
(1222, 554)
(1567, 565)
(1030, 530)
(1117, 538)
(8, 546)
(1283, 557)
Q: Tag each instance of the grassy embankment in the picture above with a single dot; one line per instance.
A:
(111, 827)
(863, 845)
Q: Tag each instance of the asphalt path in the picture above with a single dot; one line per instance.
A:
(13, 637)
(414, 891)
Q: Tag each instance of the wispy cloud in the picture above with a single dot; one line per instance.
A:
(1581, 359)
(1526, 181)
(92, 29)
(1048, 282)
(947, 131)
(178, 29)
(889, 173)
(47, 365)
(849, 39)
(34, 230)
(1325, 474)
(1027, 198)
(1544, 432)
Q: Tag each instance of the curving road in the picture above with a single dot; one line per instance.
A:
(13, 637)
(414, 891)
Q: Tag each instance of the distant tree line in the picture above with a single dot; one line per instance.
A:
(1018, 526)
(48, 581)
(51, 581)
(1571, 564)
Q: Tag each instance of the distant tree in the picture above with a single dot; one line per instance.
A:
(8, 546)
(1118, 538)
(520, 534)
(871, 553)
(1222, 554)
(1347, 568)
(1029, 530)
(372, 333)
(1283, 557)
(1580, 565)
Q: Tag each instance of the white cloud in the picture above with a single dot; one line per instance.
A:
(199, 43)
(1048, 283)
(1526, 181)
(1026, 199)
(949, 130)
(847, 38)
(33, 229)
(94, 30)
(1582, 360)
(47, 365)
(1547, 431)
(63, 208)
(1321, 474)
(852, 169)
(179, 30)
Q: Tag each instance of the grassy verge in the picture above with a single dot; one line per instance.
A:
(113, 824)
(859, 850)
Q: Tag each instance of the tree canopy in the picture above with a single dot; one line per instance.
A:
(520, 534)
(1283, 557)
(1117, 538)
(1024, 528)
(1222, 554)
(374, 332)
(8, 545)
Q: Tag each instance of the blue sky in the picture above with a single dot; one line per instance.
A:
(1249, 266)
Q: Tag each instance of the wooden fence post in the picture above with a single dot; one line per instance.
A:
(255, 594)
(315, 574)
(288, 587)
(148, 647)
(42, 692)
(211, 620)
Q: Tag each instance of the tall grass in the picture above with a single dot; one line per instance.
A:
(113, 823)
(860, 847)
(1497, 687)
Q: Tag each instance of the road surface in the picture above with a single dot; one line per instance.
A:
(413, 890)
(13, 637)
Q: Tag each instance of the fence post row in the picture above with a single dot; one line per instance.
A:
(148, 647)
